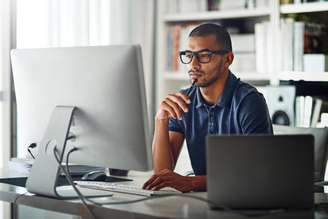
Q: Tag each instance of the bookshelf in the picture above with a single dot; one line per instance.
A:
(249, 76)
(301, 8)
(304, 76)
(215, 15)
(304, 7)
(168, 80)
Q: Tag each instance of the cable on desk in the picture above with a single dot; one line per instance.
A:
(68, 175)
(70, 180)
(84, 199)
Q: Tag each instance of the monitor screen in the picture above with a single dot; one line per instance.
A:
(104, 83)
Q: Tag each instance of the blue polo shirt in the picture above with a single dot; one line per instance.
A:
(241, 109)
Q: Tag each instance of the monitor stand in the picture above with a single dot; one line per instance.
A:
(43, 178)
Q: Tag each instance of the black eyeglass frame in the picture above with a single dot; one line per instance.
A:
(211, 53)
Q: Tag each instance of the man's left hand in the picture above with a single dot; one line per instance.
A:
(167, 178)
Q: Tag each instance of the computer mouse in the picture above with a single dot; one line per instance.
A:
(94, 176)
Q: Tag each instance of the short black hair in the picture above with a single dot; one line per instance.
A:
(221, 34)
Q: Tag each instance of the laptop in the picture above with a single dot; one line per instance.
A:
(260, 171)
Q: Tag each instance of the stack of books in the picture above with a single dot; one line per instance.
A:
(308, 110)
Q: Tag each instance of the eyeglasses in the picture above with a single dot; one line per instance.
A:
(203, 56)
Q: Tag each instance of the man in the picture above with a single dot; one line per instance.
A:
(217, 103)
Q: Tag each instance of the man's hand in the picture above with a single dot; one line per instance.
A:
(174, 105)
(167, 178)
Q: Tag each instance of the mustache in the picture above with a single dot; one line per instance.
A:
(198, 73)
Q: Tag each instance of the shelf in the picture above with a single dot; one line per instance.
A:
(247, 76)
(303, 76)
(213, 15)
(253, 76)
(176, 76)
(304, 7)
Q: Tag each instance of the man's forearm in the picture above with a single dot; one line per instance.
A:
(199, 183)
(162, 154)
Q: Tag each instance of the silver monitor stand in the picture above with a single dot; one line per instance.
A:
(45, 170)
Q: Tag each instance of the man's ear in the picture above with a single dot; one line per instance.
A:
(229, 59)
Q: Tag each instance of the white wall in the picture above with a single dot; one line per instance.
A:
(57, 23)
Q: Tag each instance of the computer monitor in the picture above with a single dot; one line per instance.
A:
(96, 94)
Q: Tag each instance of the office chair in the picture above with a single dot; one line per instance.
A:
(320, 146)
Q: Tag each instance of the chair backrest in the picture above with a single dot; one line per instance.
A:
(320, 146)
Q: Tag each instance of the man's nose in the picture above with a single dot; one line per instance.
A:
(194, 64)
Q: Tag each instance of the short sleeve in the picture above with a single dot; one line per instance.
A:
(254, 115)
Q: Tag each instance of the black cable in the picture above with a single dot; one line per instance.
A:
(30, 152)
(84, 199)
(81, 196)
(33, 145)
(69, 179)
(67, 173)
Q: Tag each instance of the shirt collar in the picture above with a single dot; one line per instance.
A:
(226, 96)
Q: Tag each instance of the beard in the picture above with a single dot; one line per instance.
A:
(213, 79)
(209, 82)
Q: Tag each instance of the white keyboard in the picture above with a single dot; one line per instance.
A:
(124, 188)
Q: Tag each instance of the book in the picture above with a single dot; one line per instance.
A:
(261, 3)
(176, 47)
(268, 48)
(299, 111)
(261, 47)
(172, 6)
(315, 63)
(243, 62)
(169, 48)
(298, 46)
(287, 36)
(243, 42)
(230, 5)
(308, 101)
(187, 6)
(202, 5)
(213, 5)
(316, 112)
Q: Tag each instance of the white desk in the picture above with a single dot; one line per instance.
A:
(169, 207)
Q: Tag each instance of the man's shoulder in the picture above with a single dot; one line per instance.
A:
(246, 91)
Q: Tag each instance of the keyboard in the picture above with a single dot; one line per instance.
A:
(125, 188)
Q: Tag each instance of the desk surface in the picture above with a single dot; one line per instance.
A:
(169, 207)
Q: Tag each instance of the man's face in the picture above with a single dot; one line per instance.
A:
(206, 73)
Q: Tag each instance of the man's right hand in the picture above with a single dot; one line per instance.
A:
(174, 105)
